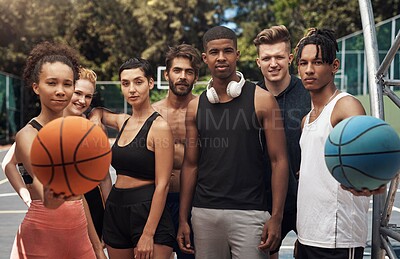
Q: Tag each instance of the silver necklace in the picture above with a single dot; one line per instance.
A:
(313, 112)
(330, 98)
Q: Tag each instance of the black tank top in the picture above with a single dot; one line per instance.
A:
(36, 124)
(231, 167)
(25, 175)
(134, 159)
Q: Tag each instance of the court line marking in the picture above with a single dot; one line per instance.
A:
(3, 181)
(287, 247)
(8, 194)
(13, 211)
(395, 209)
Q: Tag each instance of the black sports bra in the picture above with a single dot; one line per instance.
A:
(134, 159)
(25, 175)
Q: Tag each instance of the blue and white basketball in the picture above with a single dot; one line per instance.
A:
(363, 152)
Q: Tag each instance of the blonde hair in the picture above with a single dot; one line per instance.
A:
(88, 74)
(273, 35)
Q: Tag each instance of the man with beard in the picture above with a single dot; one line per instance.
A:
(182, 71)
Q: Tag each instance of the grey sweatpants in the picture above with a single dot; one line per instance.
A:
(227, 234)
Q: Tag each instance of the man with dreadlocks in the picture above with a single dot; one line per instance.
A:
(331, 221)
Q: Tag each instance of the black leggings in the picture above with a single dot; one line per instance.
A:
(94, 199)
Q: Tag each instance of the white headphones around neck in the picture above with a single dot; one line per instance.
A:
(232, 90)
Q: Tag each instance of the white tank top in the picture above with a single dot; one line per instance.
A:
(327, 215)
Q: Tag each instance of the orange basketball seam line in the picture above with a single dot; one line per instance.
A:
(74, 157)
(75, 154)
(71, 163)
(51, 159)
(87, 178)
(62, 158)
(70, 160)
(80, 142)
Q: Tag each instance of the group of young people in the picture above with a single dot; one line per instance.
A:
(226, 174)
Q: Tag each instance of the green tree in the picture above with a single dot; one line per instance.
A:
(107, 32)
(25, 23)
(343, 16)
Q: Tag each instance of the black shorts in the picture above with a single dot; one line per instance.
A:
(288, 224)
(312, 252)
(173, 205)
(126, 214)
(94, 199)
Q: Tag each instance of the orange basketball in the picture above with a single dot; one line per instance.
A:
(71, 155)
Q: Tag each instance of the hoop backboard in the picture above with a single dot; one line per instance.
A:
(161, 82)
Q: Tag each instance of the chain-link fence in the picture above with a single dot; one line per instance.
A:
(11, 105)
(352, 76)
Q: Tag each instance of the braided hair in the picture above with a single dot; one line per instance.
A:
(324, 39)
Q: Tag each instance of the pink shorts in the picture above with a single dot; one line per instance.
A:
(49, 233)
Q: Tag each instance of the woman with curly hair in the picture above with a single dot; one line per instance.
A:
(54, 224)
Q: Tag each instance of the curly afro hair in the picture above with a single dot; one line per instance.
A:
(47, 52)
